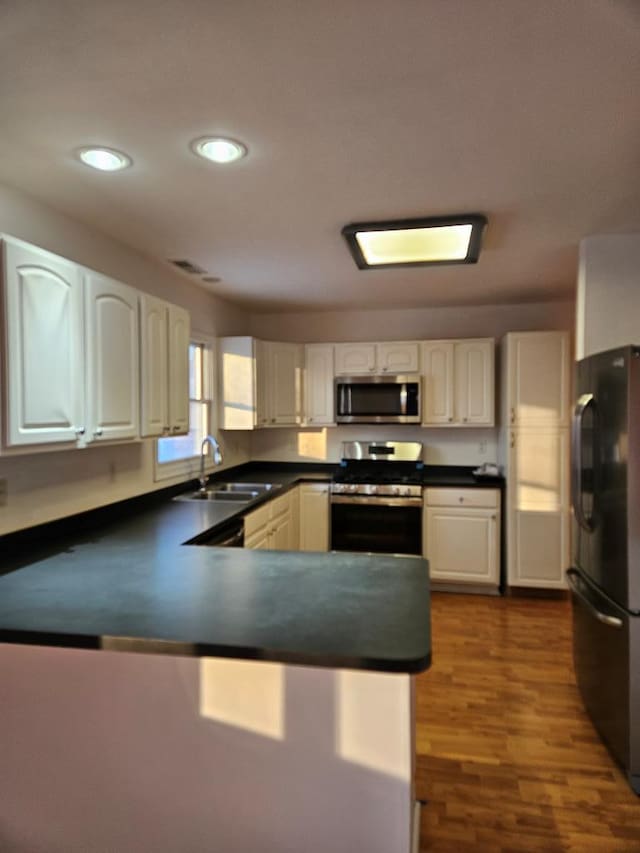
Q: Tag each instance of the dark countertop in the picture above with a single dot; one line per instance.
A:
(121, 578)
(130, 585)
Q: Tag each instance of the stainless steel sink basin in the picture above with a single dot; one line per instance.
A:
(229, 492)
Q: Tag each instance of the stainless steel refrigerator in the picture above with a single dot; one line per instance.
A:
(605, 576)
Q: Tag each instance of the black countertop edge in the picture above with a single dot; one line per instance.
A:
(143, 645)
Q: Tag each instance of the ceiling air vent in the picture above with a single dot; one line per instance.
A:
(187, 266)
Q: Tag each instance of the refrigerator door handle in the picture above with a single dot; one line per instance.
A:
(573, 580)
(582, 405)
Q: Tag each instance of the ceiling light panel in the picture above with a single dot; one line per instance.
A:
(416, 242)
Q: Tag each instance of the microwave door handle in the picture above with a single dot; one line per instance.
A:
(403, 398)
(582, 405)
(342, 400)
(349, 400)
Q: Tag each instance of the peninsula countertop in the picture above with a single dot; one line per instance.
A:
(132, 585)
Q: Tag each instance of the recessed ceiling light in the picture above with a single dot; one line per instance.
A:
(104, 159)
(416, 242)
(218, 149)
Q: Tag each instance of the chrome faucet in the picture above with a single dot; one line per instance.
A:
(217, 458)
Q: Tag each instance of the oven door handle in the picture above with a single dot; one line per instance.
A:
(375, 501)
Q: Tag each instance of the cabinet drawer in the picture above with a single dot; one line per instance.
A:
(256, 519)
(489, 498)
(278, 506)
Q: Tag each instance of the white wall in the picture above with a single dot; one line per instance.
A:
(608, 299)
(442, 446)
(45, 486)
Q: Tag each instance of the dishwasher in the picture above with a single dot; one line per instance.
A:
(228, 535)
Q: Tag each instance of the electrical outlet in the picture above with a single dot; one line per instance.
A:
(4, 492)
(482, 447)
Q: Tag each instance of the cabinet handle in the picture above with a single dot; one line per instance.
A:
(512, 443)
(464, 420)
(513, 415)
(165, 429)
(384, 369)
(450, 420)
(273, 420)
(461, 500)
(79, 430)
(310, 420)
(493, 518)
(97, 431)
(176, 428)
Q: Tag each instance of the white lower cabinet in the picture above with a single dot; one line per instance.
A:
(461, 535)
(271, 526)
(314, 516)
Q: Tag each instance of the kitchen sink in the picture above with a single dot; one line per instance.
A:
(229, 492)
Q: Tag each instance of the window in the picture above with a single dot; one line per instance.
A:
(176, 456)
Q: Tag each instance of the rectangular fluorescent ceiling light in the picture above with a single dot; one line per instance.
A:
(416, 242)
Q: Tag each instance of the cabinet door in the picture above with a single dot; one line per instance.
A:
(282, 537)
(355, 358)
(45, 365)
(399, 357)
(462, 544)
(112, 359)
(474, 383)
(154, 366)
(538, 500)
(262, 383)
(319, 394)
(437, 388)
(538, 379)
(314, 517)
(260, 540)
(284, 383)
(179, 334)
(237, 357)
(538, 547)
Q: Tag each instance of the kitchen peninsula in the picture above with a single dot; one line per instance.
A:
(274, 713)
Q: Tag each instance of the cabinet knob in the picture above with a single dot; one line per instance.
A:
(165, 430)
(79, 430)
(273, 420)
(464, 420)
(513, 415)
(493, 518)
(461, 500)
(384, 369)
(310, 420)
(450, 420)
(98, 431)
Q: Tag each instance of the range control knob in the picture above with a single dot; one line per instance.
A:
(374, 490)
(396, 490)
(407, 491)
(353, 489)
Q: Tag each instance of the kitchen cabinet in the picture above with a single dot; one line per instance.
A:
(535, 444)
(44, 379)
(314, 516)
(72, 352)
(538, 514)
(260, 383)
(458, 383)
(318, 385)
(537, 372)
(391, 357)
(270, 526)
(164, 367)
(461, 536)
(111, 320)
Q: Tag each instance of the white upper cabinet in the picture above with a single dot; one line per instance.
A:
(318, 385)
(283, 383)
(398, 357)
(164, 367)
(537, 378)
(111, 322)
(458, 383)
(437, 382)
(261, 383)
(179, 335)
(154, 366)
(355, 358)
(44, 358)
(391, 357)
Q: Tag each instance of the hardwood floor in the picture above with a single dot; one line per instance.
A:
(507, 757)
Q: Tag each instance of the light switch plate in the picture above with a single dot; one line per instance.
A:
(4, 492)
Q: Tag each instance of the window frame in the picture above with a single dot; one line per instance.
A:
(189, 467)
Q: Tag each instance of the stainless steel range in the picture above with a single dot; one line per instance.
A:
(376, 498)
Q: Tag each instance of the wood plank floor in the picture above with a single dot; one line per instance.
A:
(506, 756)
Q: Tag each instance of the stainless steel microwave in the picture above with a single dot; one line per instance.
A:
(378, 399)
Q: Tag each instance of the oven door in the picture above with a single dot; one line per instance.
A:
(382, 526)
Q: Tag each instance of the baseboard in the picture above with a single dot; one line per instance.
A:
(536, 592)
(464, 588)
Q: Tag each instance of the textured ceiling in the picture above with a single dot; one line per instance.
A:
(352, 110)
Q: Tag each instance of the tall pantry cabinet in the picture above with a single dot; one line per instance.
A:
(536, 410)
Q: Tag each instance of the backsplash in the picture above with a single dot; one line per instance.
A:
(445, 446)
